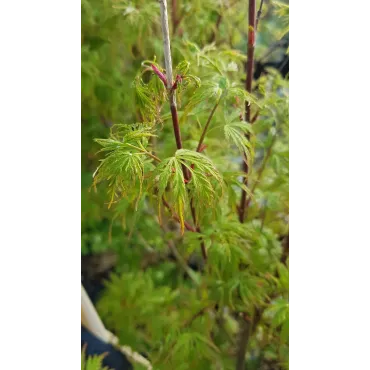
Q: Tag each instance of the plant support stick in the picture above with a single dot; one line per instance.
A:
(168, 64)
(92, 322)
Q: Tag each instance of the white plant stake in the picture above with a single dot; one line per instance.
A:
(166, 42)
(92, 322)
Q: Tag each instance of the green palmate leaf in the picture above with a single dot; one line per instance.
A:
(283, 276)
(209, 93)
(200, 161)
(194, 48)
(282, 10)
(211, 63)
(235, 132)
(149, 98)
(278, 312)
(202, 56)
(189, 343)
(134, 134)
(183, 80)
(234, 54)
(123, 170)
(126, 156)
(242, 95)
(205, 185)
(169, 173)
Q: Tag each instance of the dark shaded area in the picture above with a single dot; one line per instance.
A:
(276, 57)
(282, 66)
(113, 359)
(95, 270)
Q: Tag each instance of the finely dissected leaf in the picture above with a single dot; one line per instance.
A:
(123, 169)
(169, 173)
(200, 161)
(123, 165)
(235, 132)
(206, 183)
(243, 95)
(210, 91)
(149, 98)
(204, 188)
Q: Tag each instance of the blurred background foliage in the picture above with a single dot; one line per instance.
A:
(149, 302)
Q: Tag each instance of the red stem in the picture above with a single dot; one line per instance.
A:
(176, 130)
(159, 74)
(248, 87)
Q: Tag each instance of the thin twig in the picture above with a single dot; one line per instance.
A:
(179, 259)
(196, 315)
(199, 148)
(248, 328)
(176, 217)
(223, 10)
(272, 48)
(259, 13)
(205, 129)
(261, 170)
(213, 36)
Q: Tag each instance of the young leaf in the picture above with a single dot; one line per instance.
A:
(235, 132)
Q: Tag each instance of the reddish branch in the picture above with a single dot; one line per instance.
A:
(247, 328)
(172, 100)
(248, 87)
